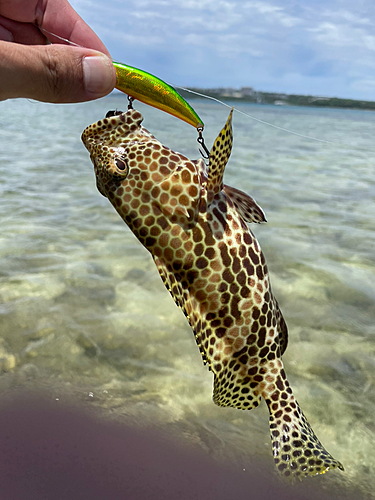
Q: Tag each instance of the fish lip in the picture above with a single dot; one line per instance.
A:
(114, 112)
(88, 132)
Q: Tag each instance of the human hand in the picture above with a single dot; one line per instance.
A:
(51, 73)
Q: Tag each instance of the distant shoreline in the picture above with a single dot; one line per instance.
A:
(248, 94)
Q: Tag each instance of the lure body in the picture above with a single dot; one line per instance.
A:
(151, 90)
(195, 228)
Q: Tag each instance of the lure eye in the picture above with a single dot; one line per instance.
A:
(114, 112)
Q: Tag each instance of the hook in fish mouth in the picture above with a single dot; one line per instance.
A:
(114, 112)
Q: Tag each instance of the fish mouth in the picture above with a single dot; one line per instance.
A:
(92, 133)
(116, 128)
(114, 112)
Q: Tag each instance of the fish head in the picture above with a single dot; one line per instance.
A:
(139, 175)
(109, 142)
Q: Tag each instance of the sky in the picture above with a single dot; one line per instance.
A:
(294, 46)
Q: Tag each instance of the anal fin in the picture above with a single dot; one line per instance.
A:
(224, 395)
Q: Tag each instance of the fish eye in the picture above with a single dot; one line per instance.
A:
(114, 112)
(121, 164)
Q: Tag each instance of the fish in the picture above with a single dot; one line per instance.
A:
(196, 229)
(151, 90)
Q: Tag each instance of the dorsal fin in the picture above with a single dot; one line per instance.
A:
(246, 206)
(219, 157)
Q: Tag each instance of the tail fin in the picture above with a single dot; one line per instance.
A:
(297, 451)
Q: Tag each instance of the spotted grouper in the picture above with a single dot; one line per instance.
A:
(195, 228)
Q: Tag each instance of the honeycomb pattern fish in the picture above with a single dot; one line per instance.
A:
(195, 228)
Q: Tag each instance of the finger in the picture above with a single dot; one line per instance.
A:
(54, 73)
(60, 18)
(56, 16)
(19, 10)
(25, 33)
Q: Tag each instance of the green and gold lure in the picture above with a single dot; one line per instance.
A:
(151, 90)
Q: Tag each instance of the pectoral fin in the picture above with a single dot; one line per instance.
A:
(246, 206)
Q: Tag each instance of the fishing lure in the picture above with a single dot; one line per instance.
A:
(150, 90)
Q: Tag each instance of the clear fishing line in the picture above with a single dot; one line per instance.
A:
(283, 129)
(289, 131)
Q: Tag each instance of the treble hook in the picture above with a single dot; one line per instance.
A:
(130, 101)
(200, 139)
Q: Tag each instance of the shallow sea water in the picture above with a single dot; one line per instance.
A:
(84, 314)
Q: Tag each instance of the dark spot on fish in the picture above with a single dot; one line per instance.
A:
(225, 256)
(247, 239)
(163, 223)
(228, 276)
(236, 266)
(198, 249)
(253, 350)
(251, 339)
(254, 326)
(280, 384)
(197, 235)
(261, 337)
(228, 321)
(248, 266)
(220, 217)
(235, 312)
(260, 272)
(244, 359)
(210, 253)
(253, 256)
(263, 353)
(191, 275)
(201, 263)
(220, 332)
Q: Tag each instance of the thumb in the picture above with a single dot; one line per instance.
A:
(54, 73)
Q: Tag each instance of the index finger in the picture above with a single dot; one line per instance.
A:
(55, 16)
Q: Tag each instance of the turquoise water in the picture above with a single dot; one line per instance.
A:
(83, 310)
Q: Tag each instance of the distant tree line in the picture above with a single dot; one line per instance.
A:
(247, 94)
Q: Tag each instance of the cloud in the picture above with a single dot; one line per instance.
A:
(258, 43)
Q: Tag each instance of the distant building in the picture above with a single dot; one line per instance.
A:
(247, 91)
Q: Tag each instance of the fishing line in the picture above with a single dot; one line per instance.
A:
(59, 37)
(293, 132)
(278, 127)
